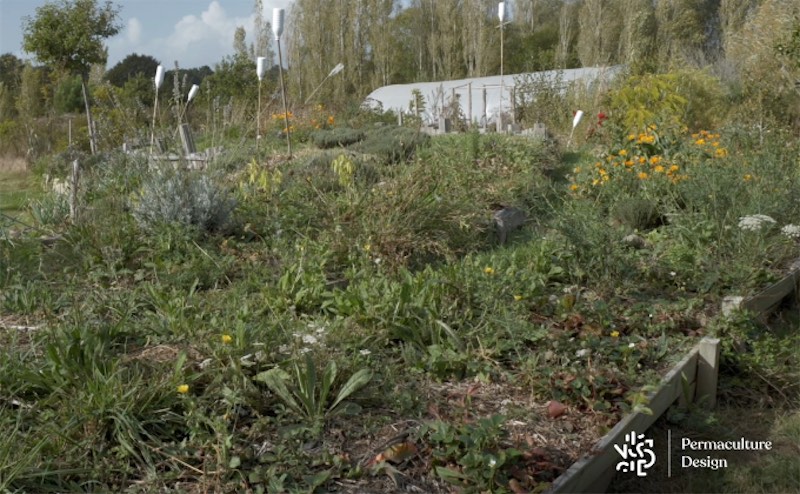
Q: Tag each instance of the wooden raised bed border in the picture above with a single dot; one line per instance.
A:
(697, 372)
(768, 299)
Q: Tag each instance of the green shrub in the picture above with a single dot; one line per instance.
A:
(391, 144)
(690, 98)
(637, 213)
(338, 137)
(187, 198)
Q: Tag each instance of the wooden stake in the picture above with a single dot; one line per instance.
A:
(73, 192)
(708, 372)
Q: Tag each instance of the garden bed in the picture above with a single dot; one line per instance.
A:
(694, 378)
(350, 321)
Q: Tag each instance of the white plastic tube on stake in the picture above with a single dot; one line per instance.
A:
(501, 11)
(260, 75)
(575, 121)
(159, 79)
(339, 67)
(260, 67)
(192, 93)
(277, 23)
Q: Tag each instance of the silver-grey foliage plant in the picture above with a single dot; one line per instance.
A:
(191, 199)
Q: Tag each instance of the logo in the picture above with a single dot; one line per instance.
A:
(637, 454)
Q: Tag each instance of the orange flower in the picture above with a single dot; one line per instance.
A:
(642, 175)
(331, 120)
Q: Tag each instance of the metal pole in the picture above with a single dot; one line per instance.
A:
(283, 94)
(502, 88)
(258, 117)
(153, 128)
(485, 111)
(315, 90)
(469, 103)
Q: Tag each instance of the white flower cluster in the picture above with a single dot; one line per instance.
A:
(791, 231)
(755, 222)
(314, 337)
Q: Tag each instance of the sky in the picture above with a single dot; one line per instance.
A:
(193, 32)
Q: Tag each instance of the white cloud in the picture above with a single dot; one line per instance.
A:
(133, 31)
(197, 39)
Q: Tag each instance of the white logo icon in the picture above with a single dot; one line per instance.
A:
(637, 454)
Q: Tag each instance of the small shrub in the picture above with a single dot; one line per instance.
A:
(392, 144)
(339, 137)
(637, 213)
(189, 199)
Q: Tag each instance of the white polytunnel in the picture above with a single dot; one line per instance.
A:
(496, 90)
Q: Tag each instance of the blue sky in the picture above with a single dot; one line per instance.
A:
(193, 32)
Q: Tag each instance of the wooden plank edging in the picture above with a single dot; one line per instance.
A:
(772, 295)
(697, 370)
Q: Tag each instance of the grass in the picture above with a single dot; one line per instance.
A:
(355, 323)
(16, 189)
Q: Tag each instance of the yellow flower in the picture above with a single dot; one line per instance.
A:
(654, 160)
(631, 137)
(642, 176)
(673, 168)
(615, 334)
(623, 152)
(700, 142)
(628, 163)
(642, 160)
(331, 120)
(183, 389)
(367, 247)
(488, 270)
(652, 127)
(517, 297)
(721, 153)
(574, 187)
(748, 177)
(658, 169)
(226, 338)
(595, 181)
